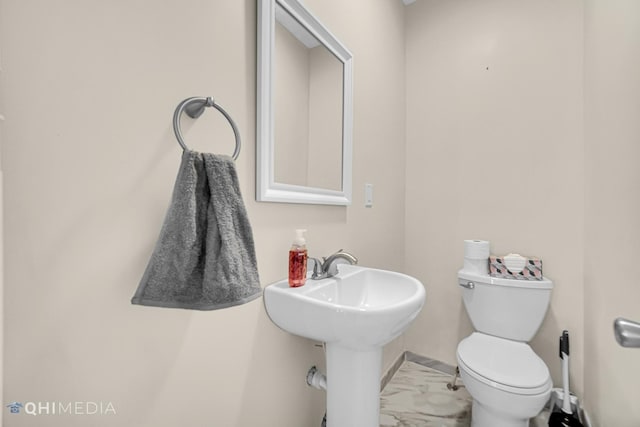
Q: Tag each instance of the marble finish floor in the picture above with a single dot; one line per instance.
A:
(416, 395)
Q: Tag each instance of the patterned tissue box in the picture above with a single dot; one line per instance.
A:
(531, 271)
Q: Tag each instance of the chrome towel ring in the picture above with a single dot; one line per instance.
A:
(194, 107)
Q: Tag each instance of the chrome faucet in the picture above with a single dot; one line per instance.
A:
(326, 267)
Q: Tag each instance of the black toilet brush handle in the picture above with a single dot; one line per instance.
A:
(564, 343)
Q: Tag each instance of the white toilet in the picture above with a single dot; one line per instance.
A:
(509, 383)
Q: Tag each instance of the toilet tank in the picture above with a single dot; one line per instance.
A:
(506, 308)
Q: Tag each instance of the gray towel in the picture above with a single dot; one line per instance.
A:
(204, 258)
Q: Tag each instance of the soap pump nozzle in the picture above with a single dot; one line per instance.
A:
(300, 240)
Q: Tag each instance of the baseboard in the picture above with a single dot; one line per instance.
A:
(420, 360)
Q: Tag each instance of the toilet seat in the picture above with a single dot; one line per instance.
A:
(508, 365)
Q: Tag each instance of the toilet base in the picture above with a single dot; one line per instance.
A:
(482, 416)
(496, 404)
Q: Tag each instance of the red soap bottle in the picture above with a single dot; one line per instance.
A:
(298, 260)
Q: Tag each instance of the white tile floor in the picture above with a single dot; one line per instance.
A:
(417, 396)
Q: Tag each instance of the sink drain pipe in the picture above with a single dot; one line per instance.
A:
(318, 380)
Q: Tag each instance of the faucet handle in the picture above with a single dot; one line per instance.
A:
(317, 267)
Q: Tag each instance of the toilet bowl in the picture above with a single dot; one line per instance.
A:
(509, 383)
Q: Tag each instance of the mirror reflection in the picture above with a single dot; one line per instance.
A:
(304, 114)
(308, 103)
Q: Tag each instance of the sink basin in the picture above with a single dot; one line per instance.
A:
(360, 307)
(355, 313)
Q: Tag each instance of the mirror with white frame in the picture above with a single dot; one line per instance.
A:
(305, 108)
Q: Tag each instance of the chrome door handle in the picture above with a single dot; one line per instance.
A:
(627, 332)
(468, 285)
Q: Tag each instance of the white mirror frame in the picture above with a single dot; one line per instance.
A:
(267, 190)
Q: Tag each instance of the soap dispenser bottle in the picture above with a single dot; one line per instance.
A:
(298, 260)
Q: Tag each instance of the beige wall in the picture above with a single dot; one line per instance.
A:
(89, 156)
(494, 152)
(1, 246)
(522, 128)
(612, 202)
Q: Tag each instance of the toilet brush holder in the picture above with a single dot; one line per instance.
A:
(555, 403)
(563, 413)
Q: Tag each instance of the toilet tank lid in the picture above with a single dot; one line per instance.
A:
(490, 280)
(511, 363)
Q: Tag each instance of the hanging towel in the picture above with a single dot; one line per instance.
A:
(204, 258)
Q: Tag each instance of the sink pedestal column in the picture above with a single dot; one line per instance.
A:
(353, 386)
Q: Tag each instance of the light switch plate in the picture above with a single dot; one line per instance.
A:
(368, 195)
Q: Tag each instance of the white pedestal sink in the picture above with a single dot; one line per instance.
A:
(355, 313)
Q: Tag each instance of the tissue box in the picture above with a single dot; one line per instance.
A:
(531, 271)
